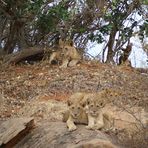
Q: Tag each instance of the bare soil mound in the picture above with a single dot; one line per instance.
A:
(40, 91)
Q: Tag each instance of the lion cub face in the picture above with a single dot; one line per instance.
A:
(75, 109)
(94, 104)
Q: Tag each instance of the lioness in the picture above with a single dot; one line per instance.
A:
(97, 119)
(76, 112)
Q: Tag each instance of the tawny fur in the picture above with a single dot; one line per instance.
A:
(67, 54)
(86, 108)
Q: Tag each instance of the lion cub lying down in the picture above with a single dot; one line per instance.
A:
(67, 55)
(97, 118)
(87, 109)
(76, 112)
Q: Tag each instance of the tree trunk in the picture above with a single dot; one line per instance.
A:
(16, 36)
(2, 30)
(110, 46)
(10, 43)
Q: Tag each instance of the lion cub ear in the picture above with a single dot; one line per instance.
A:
(69, 103)
(61, 43)
(102, 103)
(88, 101)
(83, 103)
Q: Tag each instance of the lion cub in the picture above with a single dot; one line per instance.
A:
(67, 54)
(56, 57)
(71, 56)
(76, 112)
(97, 119)
(87, 108)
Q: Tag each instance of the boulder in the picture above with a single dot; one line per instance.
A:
(55, 135)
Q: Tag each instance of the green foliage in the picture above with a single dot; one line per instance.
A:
(117, 13)
(96, 37)
(99, 37)
(23, 8)
(143, 30)
(60, 12)
(106, 29)
(48, 22)
(42, 20)
(126, 33)
(82, 29)
(145, 2)
(34, 7)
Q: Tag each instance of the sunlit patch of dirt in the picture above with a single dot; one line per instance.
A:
(23, 83)
(57, 96)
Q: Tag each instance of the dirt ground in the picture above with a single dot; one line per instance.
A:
(41, 90)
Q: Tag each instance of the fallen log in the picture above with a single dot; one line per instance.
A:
(26, 54)
(13, 130)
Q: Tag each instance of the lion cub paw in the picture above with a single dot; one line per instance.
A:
(72, 128)
(98, 127)
(90, 127)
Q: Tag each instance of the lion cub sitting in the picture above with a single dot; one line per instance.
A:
(76, 112)
(97, 119)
